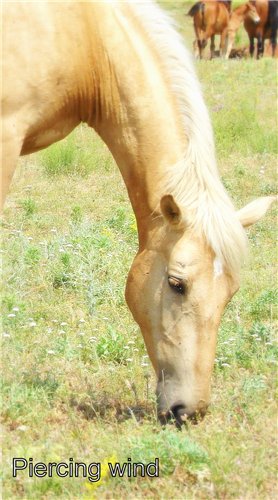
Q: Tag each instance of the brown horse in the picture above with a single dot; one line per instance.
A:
(244, 12)
(266, 28)
(66, 63)
(210, 18)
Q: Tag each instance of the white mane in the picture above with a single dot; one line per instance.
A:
(194, 181)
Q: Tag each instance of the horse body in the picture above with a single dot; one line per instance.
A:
(266, 28)
(246, 12)
(210, 18)
(122, 69)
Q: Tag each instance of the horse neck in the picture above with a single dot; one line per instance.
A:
(238, 15)
(138, 117)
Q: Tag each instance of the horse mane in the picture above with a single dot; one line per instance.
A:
(194, 181)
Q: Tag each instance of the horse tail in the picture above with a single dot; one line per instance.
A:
(196, 7)
(272, 22)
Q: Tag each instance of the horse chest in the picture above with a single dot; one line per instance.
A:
(44, 134)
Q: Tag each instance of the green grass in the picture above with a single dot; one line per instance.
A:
(76, 381)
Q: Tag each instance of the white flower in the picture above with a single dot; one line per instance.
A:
(23, 428)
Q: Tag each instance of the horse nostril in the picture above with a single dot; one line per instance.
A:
(181, 414)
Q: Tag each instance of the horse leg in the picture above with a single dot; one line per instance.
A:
(212, 46)
(260, 46)
(251, 46)
(196, 49)
(223, 42)
(273, 41)
(229, 43)
(201, 45)
(196, 43)
(11, 147)
(199, 42)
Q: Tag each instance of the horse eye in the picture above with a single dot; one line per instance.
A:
(176, 284)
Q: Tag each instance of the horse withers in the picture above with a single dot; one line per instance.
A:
(65, 63)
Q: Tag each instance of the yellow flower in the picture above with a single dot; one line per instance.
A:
(106, 232)
(133, 225)
(104, 473)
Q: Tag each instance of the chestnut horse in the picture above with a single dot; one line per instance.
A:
(242, 13)
(122, 68)
(210, 18)
(266, 28)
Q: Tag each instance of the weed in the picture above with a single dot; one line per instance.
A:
(261, 307)
(111, 346)
(76, 214)
(65, 158)
(172, 448)
(29, 206)
(32, 255)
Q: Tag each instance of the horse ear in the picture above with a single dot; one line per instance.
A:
(170, 210)
(255, 210)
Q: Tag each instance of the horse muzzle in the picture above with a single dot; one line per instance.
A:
(180, 414)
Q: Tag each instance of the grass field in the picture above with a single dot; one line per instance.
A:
(76, 379)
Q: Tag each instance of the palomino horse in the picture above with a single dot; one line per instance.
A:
(210, 18)
(242, 13)
(266, 28)
(122, 68)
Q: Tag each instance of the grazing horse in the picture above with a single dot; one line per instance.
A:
(122, 68)
(210, 18)
(266, 28)
(246, 11)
